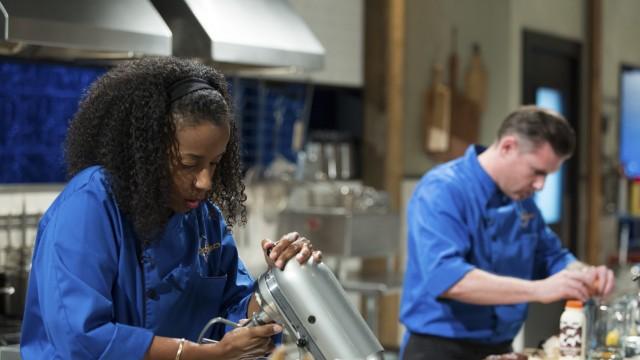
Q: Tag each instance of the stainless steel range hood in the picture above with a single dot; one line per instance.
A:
(82, 29)
(260, 33)
(241, 34)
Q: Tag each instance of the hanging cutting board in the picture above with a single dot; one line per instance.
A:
(453, 62)
(465, 124)
(475, 84)
(437, 114)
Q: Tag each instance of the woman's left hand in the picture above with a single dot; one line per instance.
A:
(292, 244)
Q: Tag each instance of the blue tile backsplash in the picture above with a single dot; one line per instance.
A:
(37, 100)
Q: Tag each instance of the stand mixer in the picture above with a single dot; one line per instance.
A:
(309, 302)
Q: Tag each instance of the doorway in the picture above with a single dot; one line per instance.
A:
(551, 79)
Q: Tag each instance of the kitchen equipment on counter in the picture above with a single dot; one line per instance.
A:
(343, 218)
(340, 233)
(607, 328)
(17, 236)
(329, 155)
(372, 288)
(614, 324)
(310, 303)
(9, 331)
(11, 352)
(630, 335)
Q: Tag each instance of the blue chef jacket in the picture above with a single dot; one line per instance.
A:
(459, 220)
(93, 295)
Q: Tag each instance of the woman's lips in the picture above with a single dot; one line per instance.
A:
(192, 204)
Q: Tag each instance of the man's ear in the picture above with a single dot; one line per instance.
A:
(508, 144)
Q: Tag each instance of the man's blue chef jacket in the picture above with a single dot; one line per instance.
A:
(458, 220)
(91, 295)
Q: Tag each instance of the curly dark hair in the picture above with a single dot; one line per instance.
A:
(126, 124)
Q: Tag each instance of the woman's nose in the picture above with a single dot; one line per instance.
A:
(203, 180)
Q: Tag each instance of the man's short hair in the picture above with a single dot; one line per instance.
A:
(540, 125)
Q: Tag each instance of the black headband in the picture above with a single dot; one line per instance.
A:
(186, 86)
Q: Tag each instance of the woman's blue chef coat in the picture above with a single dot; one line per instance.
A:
(93, 295)
(458, 220)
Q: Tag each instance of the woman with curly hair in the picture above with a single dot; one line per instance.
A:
(136, 255)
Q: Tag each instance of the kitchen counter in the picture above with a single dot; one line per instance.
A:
(10, 352)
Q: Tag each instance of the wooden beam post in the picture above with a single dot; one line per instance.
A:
(394, 164)
(594, 144)
(385, 33)
(375, 84)
(382, 153)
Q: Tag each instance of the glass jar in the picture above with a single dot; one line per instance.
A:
(631, 343)
(607, 330)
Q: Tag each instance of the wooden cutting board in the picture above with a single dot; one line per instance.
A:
(475, 84)
(437, 114)
(465, 127)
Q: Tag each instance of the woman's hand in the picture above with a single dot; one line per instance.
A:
(239, 343)
(292, 244)
(248, 342)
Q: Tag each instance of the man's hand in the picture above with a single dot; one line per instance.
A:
(278, 253)
(605, 281)
(567, 284)
(604, 278)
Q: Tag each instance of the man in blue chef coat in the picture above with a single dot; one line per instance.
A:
(478, 248)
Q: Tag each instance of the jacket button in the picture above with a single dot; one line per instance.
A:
(152, 294)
